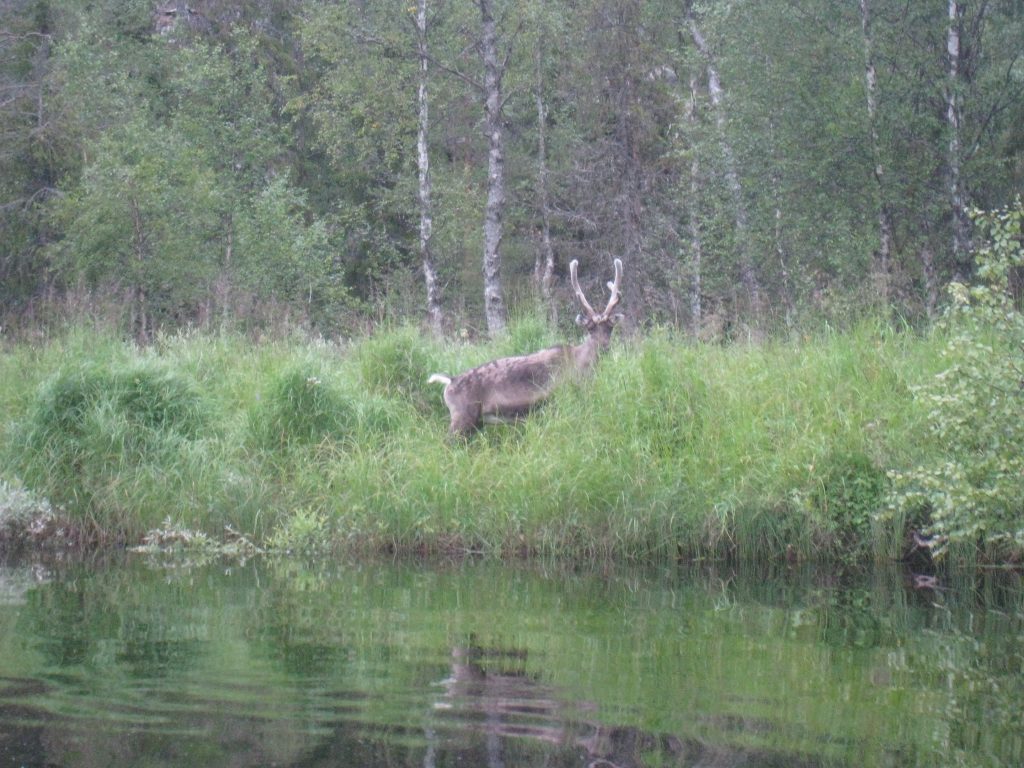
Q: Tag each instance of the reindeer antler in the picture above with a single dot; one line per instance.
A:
(591, 314)
(614, 288)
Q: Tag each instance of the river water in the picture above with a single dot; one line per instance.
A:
(127, 661)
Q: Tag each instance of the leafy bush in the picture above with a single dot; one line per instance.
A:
(847, 494)
(304, 531)
(974, 493)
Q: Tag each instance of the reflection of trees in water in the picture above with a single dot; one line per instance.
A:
(490, 694)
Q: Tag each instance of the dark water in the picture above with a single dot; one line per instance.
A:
(279, 663)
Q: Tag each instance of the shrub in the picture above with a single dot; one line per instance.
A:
(304, 531)
(847, 494)
(974, 492)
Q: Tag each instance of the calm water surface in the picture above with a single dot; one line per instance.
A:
(282, 663)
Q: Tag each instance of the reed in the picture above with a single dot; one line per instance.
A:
(671, 449)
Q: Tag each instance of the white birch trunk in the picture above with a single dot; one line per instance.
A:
(748, 273)
(434, 315)
(961, 226)
(781, 254)
(781, 251)
(494, 302)
(883, 256)
(696, 243)
(544, 269)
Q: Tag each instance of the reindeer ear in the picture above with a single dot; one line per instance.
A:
(580, 321)
(616, 318)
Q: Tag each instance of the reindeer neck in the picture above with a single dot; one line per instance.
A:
(585, 354)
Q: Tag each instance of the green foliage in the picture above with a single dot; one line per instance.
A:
(850, 490)
(144, 221)
(362, 105)
(304, 531)
(259, 165)
(283, 258)
(973, 491)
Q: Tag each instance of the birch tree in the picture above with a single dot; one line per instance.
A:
(494, 71)
(883, 255)
(696, 241)
(434, 314)
(544, 268)
(957, 196)
(748, 272)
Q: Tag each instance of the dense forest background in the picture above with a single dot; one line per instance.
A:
(756, 165)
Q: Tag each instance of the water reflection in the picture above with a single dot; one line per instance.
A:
(493, 699)
(127, 662)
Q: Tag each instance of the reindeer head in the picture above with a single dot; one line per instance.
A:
(599, 326)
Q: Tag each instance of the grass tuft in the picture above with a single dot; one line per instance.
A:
(302, 405)
(397, 363)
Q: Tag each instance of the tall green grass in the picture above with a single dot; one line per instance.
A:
(671, 448)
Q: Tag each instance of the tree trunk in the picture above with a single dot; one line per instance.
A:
(779, 238)
(226, 274)
(748, 273)
(696, 243)
(622, 65)
(494, 302)
(140, 323)
(544, 269)
(881, 265)
(782, 254)
(435, 317)
(957, 196)
(931, 283)
(631, 197)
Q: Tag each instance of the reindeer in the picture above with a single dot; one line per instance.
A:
(508, 388)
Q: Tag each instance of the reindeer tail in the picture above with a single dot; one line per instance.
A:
(439, 378)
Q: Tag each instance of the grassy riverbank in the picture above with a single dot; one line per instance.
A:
(671, 449)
